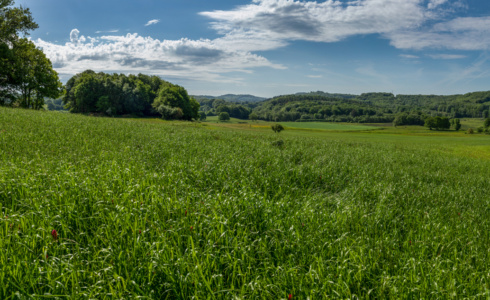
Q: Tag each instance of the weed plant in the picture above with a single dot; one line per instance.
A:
(183, 211)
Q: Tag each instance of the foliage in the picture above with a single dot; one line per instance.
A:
(34, 77)
(176, 97)
(486, 123)
(213, 107)
(14, 21)
(406, 118)
(148, 210)
(372, 107)
(439, 123)
(26, 75)
(118, 94)
(277, 128)
(224, 116)
(202, 116)
(456, 123)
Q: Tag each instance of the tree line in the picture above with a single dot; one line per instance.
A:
(372, 107)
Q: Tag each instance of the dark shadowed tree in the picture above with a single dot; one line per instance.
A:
(224, 116)
(277, 128)
(13, 21)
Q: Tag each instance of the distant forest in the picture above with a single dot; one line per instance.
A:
(364, 108)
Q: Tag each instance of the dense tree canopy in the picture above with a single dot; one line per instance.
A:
(372, 107)
(118, 94)
(439, 123)
(14, 21)
(212, 107)
(34, 76)
(175, 97)
(26, 74)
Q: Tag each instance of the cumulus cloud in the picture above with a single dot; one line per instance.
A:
(75, 36)
(152, 22)
(193, 59)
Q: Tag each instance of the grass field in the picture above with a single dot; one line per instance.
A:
(295, 125)
(173, 210)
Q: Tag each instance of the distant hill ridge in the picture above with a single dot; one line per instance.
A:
(232, 98)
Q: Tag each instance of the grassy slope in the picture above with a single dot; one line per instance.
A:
(174, 210)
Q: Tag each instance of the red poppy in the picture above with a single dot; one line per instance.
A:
(54, 234)
(290, 296)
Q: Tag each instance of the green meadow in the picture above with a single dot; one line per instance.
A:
(108, 208)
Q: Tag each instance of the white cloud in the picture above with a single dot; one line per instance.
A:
(447, 56)
(152, 22)
(203, 59)
(107, 31)
(435, 3)
(74, 35)
(315, 76)
(409, 56)
(269, 24)
(329, 21)
(469, 33)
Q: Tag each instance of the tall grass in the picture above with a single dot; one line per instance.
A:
(181, 211)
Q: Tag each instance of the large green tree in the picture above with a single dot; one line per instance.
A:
(34, 77)
(14, 21)
(26, 75)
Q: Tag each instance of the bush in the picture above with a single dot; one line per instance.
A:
(470, 131)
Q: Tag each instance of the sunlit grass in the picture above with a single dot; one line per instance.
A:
(175, 210)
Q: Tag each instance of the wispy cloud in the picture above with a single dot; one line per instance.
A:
(447, 56)
(107, 31)
(409, 56)
(315, 76)
(435, 3)
(152, 22)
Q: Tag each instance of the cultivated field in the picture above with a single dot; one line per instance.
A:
(175, 210)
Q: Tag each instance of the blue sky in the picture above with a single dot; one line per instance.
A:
(273, 47)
